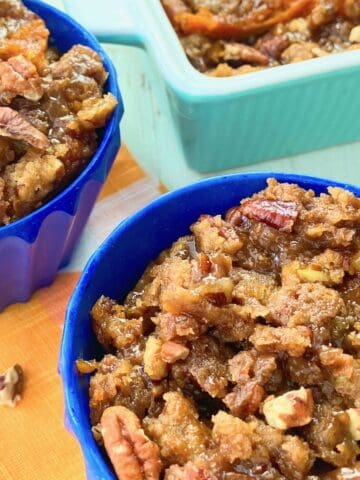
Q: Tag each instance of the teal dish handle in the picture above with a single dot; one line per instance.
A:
(111, 21)
(212, 124)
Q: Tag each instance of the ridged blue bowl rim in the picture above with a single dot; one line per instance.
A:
(26, 227)
(92, 455)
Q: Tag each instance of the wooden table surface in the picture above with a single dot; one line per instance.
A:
(34, 443)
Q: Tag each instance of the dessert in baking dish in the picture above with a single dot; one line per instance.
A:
(225, 38)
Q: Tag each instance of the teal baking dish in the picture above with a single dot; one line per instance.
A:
(219, 123)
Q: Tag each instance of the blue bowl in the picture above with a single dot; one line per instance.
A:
(33, 248)
(119, 262)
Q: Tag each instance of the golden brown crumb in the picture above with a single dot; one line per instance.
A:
(238, 348)
(50, 108)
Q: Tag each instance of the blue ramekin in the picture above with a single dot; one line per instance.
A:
(33, 248)
(118, 263)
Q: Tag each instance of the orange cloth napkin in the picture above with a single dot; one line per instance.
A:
(33, 441)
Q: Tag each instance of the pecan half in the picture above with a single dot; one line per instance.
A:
(133, 455)
(19, 77)
(276, 214)
(13, 125)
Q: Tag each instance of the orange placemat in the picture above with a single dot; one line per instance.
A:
(33, 441)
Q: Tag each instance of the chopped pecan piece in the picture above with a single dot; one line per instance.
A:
(204, 263)
(221, 265)
(338, 362)
(355, 34)
(218, 292)
(171, 352)
(94, 112)
(245, 53)
(133, 455)
(224, 70)
(251, 365)
(293, 409)
(273, 45)
(85, 367)
(154, 365)
(354, 425)
(277, 214)
(11, 384)
(96, 430)
(294, 457)
(245, 400)
(80, 60)
(13, 125)
(353, 339)
(298, 52)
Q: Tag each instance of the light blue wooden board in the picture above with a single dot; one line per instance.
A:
(160, 155)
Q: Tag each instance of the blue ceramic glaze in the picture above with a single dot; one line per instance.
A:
(33, 248)
(119, 262)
